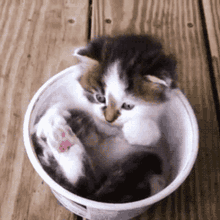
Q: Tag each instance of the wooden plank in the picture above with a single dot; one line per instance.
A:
(36, 41)
(211, 10)
(178, 25)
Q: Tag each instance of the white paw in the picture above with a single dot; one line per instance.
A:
(54, 129)
(141, 132)
(56, 137)
(72, 162)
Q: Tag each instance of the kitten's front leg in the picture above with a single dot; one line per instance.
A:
(141, 132)
(55, 134)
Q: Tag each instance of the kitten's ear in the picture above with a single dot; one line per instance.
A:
(93, 50)
(165, 80)
(162, 71)
(157, 80)
(161, 87)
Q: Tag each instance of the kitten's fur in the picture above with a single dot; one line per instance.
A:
(128, 179)
(110, 108)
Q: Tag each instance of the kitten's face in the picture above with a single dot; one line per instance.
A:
(111, 101)
(128, 79)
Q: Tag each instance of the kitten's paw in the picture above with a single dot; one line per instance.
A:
(157, 183)
(65, 139)
(54, 130)
(141, 132)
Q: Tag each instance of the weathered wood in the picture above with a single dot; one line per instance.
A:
(178, 25)
(211, 10)
(37, 39)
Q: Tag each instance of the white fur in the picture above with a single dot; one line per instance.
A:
(114, 85)
(142, 132)
(71, 162)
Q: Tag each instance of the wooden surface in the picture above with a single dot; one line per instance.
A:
(211, 10)
(37, 39)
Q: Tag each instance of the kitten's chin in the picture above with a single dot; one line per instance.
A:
(108, 128)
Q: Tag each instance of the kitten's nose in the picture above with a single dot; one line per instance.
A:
(111, 114)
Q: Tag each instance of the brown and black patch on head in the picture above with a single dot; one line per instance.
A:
(139, 56)
(91, 80)
(147, 90)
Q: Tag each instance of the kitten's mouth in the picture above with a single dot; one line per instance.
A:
(113, 124)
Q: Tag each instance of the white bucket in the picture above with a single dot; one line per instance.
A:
(181, 131)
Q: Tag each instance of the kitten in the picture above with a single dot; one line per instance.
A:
(120, 94)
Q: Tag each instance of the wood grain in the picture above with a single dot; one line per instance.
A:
(178, 25)
(37, 39)
(211, 10)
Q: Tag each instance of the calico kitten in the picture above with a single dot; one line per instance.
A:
(110, 108)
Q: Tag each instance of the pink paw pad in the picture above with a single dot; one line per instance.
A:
(64, 144)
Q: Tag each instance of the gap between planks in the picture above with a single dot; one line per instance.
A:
(213, 79)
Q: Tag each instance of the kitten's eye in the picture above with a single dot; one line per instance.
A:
(127, 106)
(100, 98)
